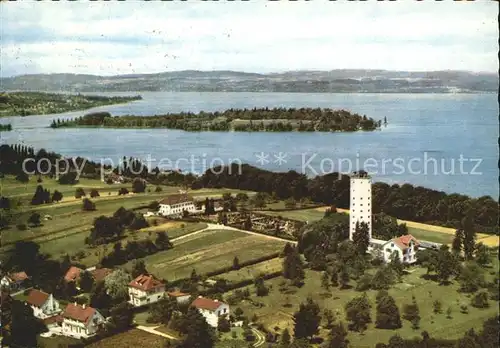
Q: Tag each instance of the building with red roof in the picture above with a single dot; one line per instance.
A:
(179, 296)
(73, 274)
(44, 305)
(145, 289)
(405, 247)
(211, 310)
(14, 281)
(81, 321)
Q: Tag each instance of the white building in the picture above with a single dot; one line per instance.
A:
(180, 297)
(405, 246)
(176, 205)
(211, 310)
(360, 203)
(145, 289)
(44, 305)
(81, 321)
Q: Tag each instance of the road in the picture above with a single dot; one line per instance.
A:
(152, 330)
(261, 339)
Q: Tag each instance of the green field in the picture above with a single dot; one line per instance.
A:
(253, 271)
(431, 236)
(310, 215)
(275, 314)
(208, 251)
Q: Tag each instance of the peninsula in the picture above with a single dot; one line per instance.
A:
(39, 103)
(247, 120)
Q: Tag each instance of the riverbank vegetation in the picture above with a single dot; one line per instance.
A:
(245, 120)
(39, 103)
(5, 127)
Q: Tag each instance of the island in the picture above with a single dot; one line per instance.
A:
(40, 103)
(246, 120)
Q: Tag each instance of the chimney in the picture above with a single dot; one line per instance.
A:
(83, 306)
(75, 303)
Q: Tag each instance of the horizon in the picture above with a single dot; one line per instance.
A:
(110, 39)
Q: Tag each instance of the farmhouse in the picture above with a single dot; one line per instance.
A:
(145, 289)
(180, 297)
(176, 205)
(44, 305)
(211, 310)
(81, 321)
(14, 281)
(405, 247)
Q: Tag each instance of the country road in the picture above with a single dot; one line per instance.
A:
(261, 339)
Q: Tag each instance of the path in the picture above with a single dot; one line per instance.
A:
(261, 339)
(152, 330)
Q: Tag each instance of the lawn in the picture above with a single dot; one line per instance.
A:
(275, 314)
(208, 251)
(130, 339)
(437, 237)
(253, 271)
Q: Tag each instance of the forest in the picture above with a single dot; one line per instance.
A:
(248, 120)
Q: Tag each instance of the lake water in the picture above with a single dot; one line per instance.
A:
(442, 141)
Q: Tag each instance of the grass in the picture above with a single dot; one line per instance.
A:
(275, 314)
(226, 339)
(56, 341)
(130, 339)
(253, 271)
(208, 251)
(310, 215)
(430, 236)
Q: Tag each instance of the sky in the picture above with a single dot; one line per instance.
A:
(110, 38)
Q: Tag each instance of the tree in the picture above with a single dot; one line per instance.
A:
(138, 185)
(197, 332)
(383, 278)
(330, 318)
(162, 241)
(456, 245)
(387, 313)
(57, 196)
(361, 238)
(307, 320)
(163, 311)
(79, 193)
(293, 268)
(260, 287)
(290, 203)
(86, 281)
(99, 297)
(334, 278)
(358, 313)
(480, 300)
(447, 264)
(117, 284)
(122, 317)
(248, 223)
(236, 263)
(94, 193)
(285, 338)
(138, 222)
(471, 277)
(34, 219)
(483, 257)
(337, 337)
(88, 205)
(396, 265)
(344, 277)
(437, 307)
(325, 281)
(469, 240)
(123, 191)
(24, 326)
(138, 268)
(223, 324)
(412, 313)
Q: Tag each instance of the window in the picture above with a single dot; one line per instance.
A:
(392, 245)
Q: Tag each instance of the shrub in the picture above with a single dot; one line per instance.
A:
(21, 227)
(480, 300)
(94, 193)
(158, 189)
(88, 205)
(122, 191)
(79, 193)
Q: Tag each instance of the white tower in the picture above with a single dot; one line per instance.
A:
(360, 203)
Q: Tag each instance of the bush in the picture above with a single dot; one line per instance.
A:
(158, 189)
(480, 300)
(21, 227)
(88, 205)
(122, 191)
(68, 179)
(138, 185)
(79, 193)
(94, 193)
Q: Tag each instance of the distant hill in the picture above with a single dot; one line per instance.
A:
(335, 81)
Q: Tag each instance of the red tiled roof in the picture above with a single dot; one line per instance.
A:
(206, 303)
(404, 241)
(100, 273)
(177, 293)
(37, 298)
(79, 313)
(52, 320)
(176, 199)
(73, 274)
(18, 277)
(146, 282)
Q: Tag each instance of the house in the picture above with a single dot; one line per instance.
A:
(99, 274)
(73, 274)
(44, 305)
(176, 205)
(14, 281)
(80, 321)
(211, 310)
(145, 289)
(180, 297)
(405, 246)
